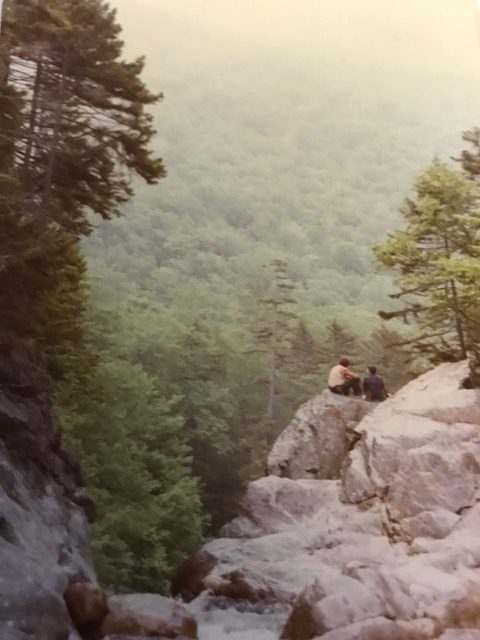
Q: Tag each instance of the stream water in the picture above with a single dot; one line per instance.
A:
(222, 619)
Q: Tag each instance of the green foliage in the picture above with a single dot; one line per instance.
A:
(285, 167)
(274, 328)
(205, 367)
(470, 158)
(435, 256)
(384, 350)
(138, 464)
(338, 342)
(74, 131)
(84, 120)
(73, 125)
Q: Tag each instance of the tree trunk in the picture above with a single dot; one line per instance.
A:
(32, 123)
(57, 123)
(458, 320)
(456, 308)
(273, 370)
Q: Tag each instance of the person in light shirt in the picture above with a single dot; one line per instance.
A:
(342, 380)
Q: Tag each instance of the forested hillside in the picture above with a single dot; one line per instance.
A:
(278, 160)
(237, 281)
(178, 338)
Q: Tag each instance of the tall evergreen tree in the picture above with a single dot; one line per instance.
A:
(74, 131)
(305, 350)
(85, 127)
(275, 330)
(304, 366)
(434, 257)
(338, 342)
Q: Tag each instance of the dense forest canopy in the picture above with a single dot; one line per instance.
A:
(275, 156)
(272, 159)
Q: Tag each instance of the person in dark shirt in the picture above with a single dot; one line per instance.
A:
(374, 387)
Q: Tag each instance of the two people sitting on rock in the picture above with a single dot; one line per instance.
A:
(342, 380)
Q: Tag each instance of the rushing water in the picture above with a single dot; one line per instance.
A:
(221, 619)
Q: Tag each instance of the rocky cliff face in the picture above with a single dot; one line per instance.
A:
(44, 537)
(316, 442)
(382, 544)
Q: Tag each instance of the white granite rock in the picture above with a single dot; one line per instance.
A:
(437, 523)
(391, 550)
(317, 440)
(44, 507)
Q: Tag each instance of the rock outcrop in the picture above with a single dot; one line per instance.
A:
(44, 535)
(315, 443)
(148, 615)
(389, 550)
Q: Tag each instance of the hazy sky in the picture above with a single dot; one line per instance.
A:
(427, 35)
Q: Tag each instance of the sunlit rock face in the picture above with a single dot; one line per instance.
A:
(420, 453)
(390, 550)
(44, 536)
(315, 443)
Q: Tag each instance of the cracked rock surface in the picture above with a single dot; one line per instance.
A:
(315, 443)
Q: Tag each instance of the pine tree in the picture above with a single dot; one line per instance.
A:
(338, 342)
(275, 330)
(470, 158)
(434, 257)
(303, 370)
(85, 127)
(384, 350)
(305, 352)
(74, 131)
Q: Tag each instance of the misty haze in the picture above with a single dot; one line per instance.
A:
(239, 319)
